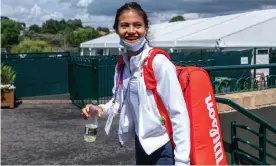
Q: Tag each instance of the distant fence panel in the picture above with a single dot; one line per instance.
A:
(39, 74)
(106, 76)
(224, 85)
(272, 59)
(83, 80)
(229, 58)
(91, 78)
(214, 58)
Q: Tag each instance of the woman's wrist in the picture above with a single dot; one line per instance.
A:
(100, 111)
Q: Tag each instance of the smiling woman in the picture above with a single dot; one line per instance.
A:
(140, 116)
(131, 24)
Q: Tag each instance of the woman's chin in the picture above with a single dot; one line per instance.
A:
(131, 41)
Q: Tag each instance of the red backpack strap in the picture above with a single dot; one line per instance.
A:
(148, 68)
(120, 66)
(151, 84)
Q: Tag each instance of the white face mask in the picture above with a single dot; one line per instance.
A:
(135, 46)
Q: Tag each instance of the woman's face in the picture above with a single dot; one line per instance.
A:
(131, 26)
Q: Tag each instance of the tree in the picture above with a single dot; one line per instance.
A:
(35, 28)
(87, 26)
(21, 25)
(50, 26)
(4, 18)
(63, 33)
(62, 25)
(28, 46)
(103, 29)
(74, 24)
(10, 32)
(177, 18)
(81, 35)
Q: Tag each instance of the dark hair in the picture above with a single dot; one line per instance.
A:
(131, 6)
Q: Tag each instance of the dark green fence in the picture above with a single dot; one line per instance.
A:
(215, 58)
(101, 74)
(83, 79)
(272, 59)
(92, 78)
(39, 74)
(239, 156)
(243, 83)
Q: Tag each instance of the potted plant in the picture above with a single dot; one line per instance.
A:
(8, 76)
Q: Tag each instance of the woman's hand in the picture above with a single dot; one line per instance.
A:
(89, 109)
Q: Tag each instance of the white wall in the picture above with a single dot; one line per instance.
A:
(262, 57)
(100, 51)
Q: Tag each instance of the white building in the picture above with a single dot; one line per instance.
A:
(255, 29)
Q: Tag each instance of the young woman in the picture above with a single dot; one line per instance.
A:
(139, 116)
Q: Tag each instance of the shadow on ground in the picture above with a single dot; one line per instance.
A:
(51, 134)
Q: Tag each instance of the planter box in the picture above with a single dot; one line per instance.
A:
(7, 98)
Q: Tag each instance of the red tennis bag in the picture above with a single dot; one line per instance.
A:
(206, 139)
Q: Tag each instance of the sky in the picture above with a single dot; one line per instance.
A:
(102, 12)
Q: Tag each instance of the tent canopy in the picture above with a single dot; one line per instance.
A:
(242, 30)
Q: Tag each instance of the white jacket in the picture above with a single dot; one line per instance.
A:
(152, 134)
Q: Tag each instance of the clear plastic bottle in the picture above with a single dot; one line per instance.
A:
(91, 129)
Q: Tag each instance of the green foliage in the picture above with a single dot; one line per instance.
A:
(35, 28)
(8, 75)
(74, 24)
(10, 32)
(29, 46)
(57, 40)
(53, 26)
(82, 34)
(62, 25)
(50, 26)
(103, 29)
(21, 25)
(177, 18)
(59, 34)
(4, 18)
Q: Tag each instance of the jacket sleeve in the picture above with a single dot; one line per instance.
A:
(109, 106)
(168, 87)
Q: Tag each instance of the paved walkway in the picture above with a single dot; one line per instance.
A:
(52, 134)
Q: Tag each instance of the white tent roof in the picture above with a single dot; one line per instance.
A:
(243, 30)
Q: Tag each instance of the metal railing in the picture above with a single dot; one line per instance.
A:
(241, 84)
(262, 135)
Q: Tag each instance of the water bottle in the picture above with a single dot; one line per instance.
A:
(91, 129)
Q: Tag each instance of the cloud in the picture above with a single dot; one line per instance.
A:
(84, 3)
(102, 12)
(181, 6)
(163, 10)
(36, 11)
(55, 15)
(95, 21)
(13, 11)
